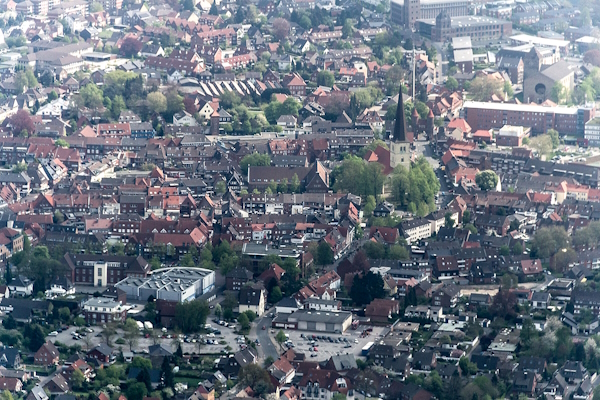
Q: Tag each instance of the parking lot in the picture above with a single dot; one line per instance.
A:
(191, 344)
(348, 343)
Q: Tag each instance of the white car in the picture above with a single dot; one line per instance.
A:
(53, 333)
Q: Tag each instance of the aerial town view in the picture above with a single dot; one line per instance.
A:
(300, 199)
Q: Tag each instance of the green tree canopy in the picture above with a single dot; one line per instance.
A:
(255, 160)
(486, 180)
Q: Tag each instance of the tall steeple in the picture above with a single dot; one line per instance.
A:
(400, 123)
(399, 145)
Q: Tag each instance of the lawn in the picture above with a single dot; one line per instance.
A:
(191, 382)
(105, 34)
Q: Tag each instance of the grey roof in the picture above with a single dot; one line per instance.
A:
(103, 349)
(463, 55)
(557, 71)
(343, 362)
(320, 316)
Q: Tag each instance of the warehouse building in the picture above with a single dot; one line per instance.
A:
(172, 284)
(317, 321)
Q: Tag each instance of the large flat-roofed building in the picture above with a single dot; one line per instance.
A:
(173, 284)
(318, 321)
(259, 251)
(407, 12)
(562, 45)
(566, 120)
(445, 27)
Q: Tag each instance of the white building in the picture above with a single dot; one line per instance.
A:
(174, 284)
(592, 131)
(416, 229)
(20, 286)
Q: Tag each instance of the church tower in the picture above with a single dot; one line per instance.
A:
(400, 146)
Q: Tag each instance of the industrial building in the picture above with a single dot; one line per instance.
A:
(172, 284)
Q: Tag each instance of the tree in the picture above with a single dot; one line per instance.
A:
(449, 221)
(517, 248)
(61, 143)
(19, 167)
(559, 93)
(347, 29)
(6, 395)
(256, 377)
(77, 379)
(486, 180)
(136, 391)
(325, 78)
(280, 338)
(108, 333)
(275, 295)
(366, 288)
(466, 217)
(244, 321)
(324, 253)
(59, 217)
(145, 378)
(592, 57)
(563, 259)
(92, 96)
(36, 336)
(467, 367)
(356, 176)
(130, 47)
(157, 102)
(221, 187)
(21, 121)
(508, 89)
(131, 332)
(503, 305)
(64, 313)
(548, 241)
(281, 29)
(166, 372)
(542, 143)
(96, 7)
(482, 88)
(417, 185)
(451, 84)
(555, 138)
(254, 159)
(191, 316)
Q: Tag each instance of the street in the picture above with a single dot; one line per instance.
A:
(267, 347)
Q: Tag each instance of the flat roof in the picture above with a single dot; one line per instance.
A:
(265, 250)
(463, 55)
(540, 41)
(520, 107)
(331, 317)
(469, 20)
(588, 39)
(593, 122)
(461, 42)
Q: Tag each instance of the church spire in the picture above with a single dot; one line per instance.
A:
(400, 122)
